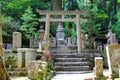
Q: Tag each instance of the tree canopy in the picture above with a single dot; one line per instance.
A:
(100, 13)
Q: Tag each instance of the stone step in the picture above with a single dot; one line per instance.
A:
(72, 68)
(73, 72)
(69, 59)
(69, 55)
(60, 48)
(90, 51)
(71, 64)
(63, 51)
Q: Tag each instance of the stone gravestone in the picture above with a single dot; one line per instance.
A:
(60, 35)
(52, 42)
(17, 40)
(31, 45)
(113, 57)
(34, 43)
(9, 46)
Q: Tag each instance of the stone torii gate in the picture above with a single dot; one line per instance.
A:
(49, 19)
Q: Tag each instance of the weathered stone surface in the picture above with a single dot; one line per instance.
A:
(60, 35)
(113, 57)
(98, 70)
(17, 40)
(28, 54)
(98, 66)
(37, 70)
(66, 60)
(52, 42)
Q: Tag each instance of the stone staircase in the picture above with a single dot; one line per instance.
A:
(69, 61)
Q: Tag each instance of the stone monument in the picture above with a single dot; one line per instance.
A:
(60, 35)
(17, 40)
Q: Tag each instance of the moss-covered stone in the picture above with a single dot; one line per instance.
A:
(100, 78)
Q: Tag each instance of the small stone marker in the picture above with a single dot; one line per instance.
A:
(98, 66)
(99, 69)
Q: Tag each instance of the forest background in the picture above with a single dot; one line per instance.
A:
(21, 15)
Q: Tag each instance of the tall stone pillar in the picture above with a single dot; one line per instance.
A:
(78, 28)
(47, 27)
(17, 40)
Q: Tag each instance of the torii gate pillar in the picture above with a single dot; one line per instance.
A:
(47, 27)
(78, 28)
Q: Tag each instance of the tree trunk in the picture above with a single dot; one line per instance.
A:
(56, 4)
(3, 72)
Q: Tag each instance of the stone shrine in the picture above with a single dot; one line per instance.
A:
(60, 35)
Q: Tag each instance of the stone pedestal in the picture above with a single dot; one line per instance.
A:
(26, 55)
(17, 40)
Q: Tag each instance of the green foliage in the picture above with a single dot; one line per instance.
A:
(96, 18)
(118, 1)
(70, 5)
(53, 31)
(116, 26)
(69, 30)
(11, 60)
(14, 57)
(9, 25)
(83, 4)
(17, 7)
(29, 23)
